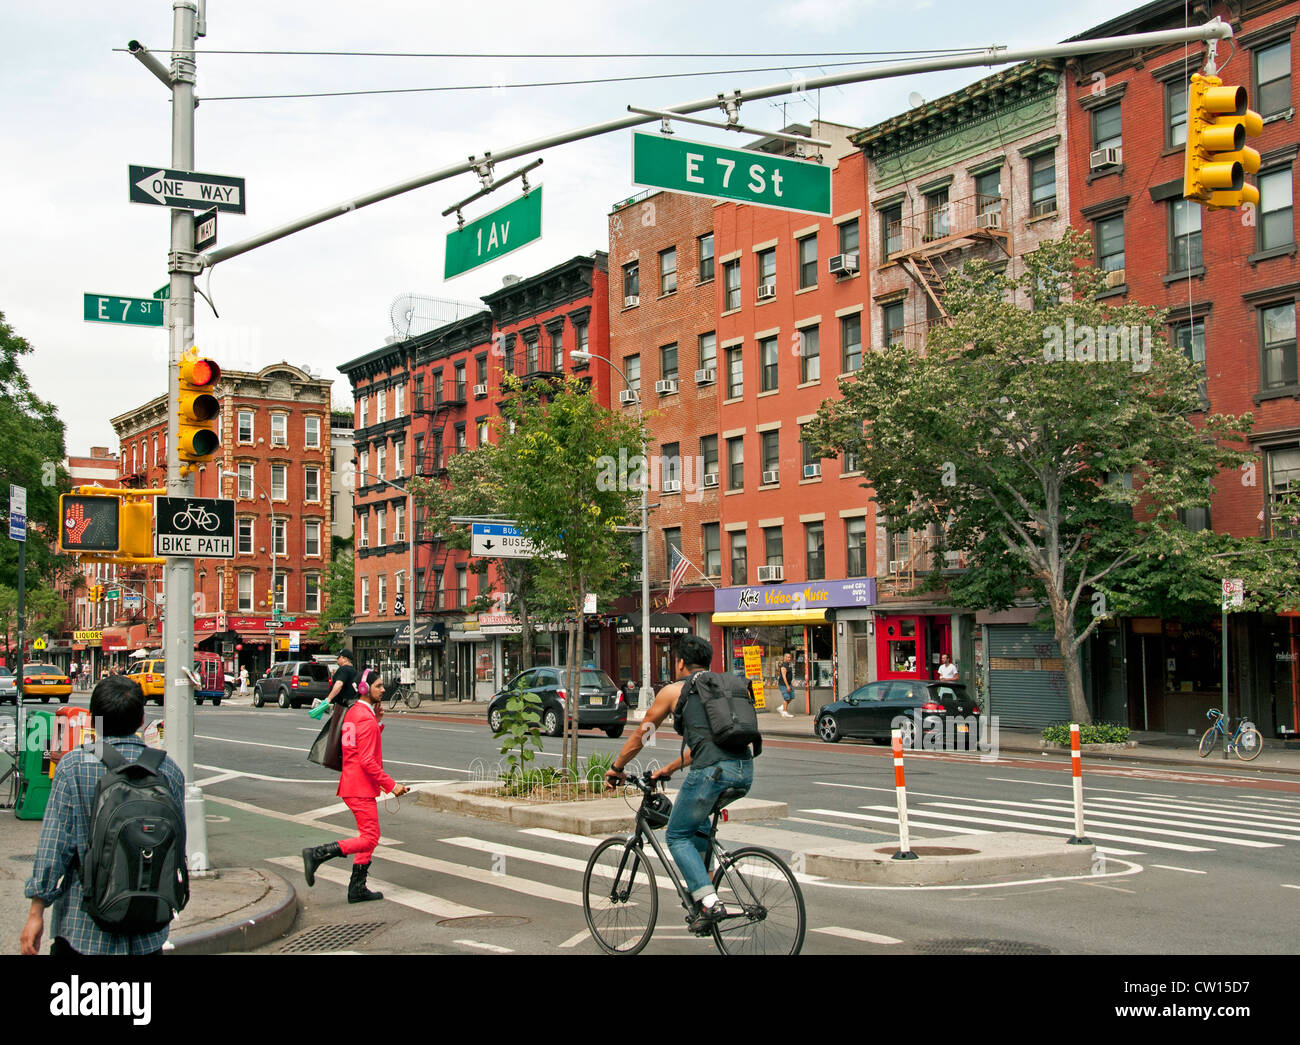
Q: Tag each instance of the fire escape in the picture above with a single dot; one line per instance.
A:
(431, 463)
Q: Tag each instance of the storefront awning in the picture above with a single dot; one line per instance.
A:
(371, 630)
(771, 617)
(660, 624)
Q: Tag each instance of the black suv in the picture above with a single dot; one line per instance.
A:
(292, 683)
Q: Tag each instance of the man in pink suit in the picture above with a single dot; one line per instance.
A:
(360, 783)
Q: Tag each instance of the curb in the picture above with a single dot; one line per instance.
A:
(256, 926)
(998, 856)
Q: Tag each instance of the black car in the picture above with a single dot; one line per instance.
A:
(943, 710)
(292, 683)
(601, 704)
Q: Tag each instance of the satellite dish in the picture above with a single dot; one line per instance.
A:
(915, 100)
(415, 314)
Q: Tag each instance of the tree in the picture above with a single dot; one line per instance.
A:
(43, 610)
(338, 594)
(1025, 434)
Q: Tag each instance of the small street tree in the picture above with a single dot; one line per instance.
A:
(1044, 434)
(338, 596)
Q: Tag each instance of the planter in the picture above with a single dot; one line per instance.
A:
(1096, 749)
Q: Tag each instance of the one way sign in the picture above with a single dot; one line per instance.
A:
(160, 187)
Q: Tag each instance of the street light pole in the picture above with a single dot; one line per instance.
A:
(647, 694)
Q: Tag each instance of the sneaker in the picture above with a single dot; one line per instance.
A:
(786, 714)
(705, 918)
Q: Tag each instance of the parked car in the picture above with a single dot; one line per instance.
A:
(45, 681)
(601, 704)
(8, 686)
(873, 710)
(292, 683)
(151, 674)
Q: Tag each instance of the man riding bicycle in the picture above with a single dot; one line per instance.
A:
(713, 771)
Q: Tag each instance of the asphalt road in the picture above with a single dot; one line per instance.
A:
(1193, 861)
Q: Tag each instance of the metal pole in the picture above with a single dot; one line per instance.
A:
(1215, 29)
(1076, 775)
(275, 605)
(178, 573)
(1223, 636)
(20, 738)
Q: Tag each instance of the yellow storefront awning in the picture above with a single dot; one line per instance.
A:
(772, 617)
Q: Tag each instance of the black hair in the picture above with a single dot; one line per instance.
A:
(694, 651)
(118, 702)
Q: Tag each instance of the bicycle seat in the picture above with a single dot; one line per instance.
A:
(727, 797)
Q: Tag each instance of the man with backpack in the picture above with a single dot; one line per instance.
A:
(112, 894)
(715, 716)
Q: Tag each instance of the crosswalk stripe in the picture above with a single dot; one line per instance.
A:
(912, 821)
(576, 939)
(483, 876)
(1058, 831)
(1187, 870)
(1088, 789)
(1024, 809)
(856, 934)
(1108, 850)
(562, 836)
(484, 946)
(413, 898)
(1131, 813)
(1200, 812)
(1272, 798)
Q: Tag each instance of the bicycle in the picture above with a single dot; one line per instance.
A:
(1246, 742)
(765, 907)
(199, 516)
(402, 693)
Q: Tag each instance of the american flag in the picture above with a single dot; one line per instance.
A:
(680, 564)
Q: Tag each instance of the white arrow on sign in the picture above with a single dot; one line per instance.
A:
(163, 189)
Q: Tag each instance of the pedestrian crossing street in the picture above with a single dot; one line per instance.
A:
(1125, 822)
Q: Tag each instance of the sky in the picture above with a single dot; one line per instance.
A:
(75, 112)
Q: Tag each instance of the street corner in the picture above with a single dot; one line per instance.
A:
(234, 909)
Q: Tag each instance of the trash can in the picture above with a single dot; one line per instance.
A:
(37, 766)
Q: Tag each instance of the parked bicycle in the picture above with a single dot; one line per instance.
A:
(620, 896)
(1246, 742)
(402, 693)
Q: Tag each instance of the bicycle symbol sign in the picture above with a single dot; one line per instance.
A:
(195, 527)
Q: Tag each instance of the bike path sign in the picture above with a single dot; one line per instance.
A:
(194, 527)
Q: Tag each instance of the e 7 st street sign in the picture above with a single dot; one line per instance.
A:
(759, 178)
(110, 308)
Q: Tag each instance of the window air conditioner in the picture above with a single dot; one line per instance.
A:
(706, 376)
(771, 573)
(710, 480)
(1115, 278)
(1099, 158)
(480, 391)
(666, 387)
(672, 486)
(895, 565)
(631, 300)
(843, 264)
(766, 291)
(626, 396)
(989, 220)
(812, 471)
(770, 477)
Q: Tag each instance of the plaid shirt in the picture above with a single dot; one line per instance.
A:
(65, 837)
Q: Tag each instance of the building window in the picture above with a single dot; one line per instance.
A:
(311, 593)
(672, 542)
(383, 593)
(460, 438)
(632, 366)
(891, 230)
(279, 429)
(245, 426)
(530, 357)
(480, 370)
(708, 349)
(1184, 235)
(1276, 214)
(311, 538)
(769, 355)
(311, 433)
(1042, 184)
(583, 334)
(279, 482)
(712, 541)
(311, 485)
(363, 529)
(808, 261)
(849, 463)
(731, 285)
(1283, 492)
(735, 372)
(399, 458)
(462, 586)
(851, 343)
(709, 455)
(245, 481)
(364, 419)
(1273, 79)
(278, 537)
(381, 460)
(849, 237)
(1175, 114)
(381, 407)
(770, 451)
(399, 522)
(706, 257)
(739, 558)
(245, 534)
(810, 359)
(1279, 346)
(668, 271)
(815, 542)
(736, 463)
(936, 215)
(892, 323)
(668, 363)
(439, 380)
(773, 553)
(1190, 337)
(1109, 237)
(670, 464)
(364, 461)
(381, 527)
(399, 405)
(480, 433)
(1107, 128)
(1195, 519)
(855, 538)
(245, 593)
(988, 193)
(767, 268)
(631, 280)
(806, 451)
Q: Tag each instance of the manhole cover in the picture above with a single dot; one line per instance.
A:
(980, 947)
(930, 850)
(485, 921)
(330, 937)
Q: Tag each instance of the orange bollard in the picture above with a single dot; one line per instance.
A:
(1076, 771)
(900, 789)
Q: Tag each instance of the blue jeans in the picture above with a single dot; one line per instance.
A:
(687, 833)
(787, 694)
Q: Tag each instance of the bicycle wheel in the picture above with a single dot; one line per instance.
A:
(412, 698)
(1208, 739)
(765, 911)
(620, 898)
(1249, 744)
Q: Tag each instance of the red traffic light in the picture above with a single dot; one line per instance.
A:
(204, 372)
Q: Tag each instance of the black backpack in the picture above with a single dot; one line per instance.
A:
(134, 877)
(728, 703)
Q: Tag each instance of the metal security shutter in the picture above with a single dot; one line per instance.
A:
(1025, 696)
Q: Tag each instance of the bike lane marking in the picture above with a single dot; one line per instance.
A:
(1168, 867)
(857, 934)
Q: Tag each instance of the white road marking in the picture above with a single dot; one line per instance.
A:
(576, 939)
(1211, 812)
(1086, 790)
(220, 778)
(912, 821)
(439, 729)
(1114, 888)
(483, 876)
(856, 934)
(1284, 886)
(266, 777)
(290, 747)
(418, 901)
(1168, 867)
(561, 836)
(485, 946)
(293, 818)
(1105, 808)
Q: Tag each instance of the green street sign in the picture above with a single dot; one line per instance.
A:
(494, 235)
(113, 593)
(163, 292)
(107, 308)
(759, 178)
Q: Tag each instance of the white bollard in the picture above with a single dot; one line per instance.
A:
(900, 789)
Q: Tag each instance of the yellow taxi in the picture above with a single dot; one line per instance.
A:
(44, 681)
(150, 676)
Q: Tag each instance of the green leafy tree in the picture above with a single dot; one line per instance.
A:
(1027, 460)
(338, 593)
(519, 734)
(43, 608)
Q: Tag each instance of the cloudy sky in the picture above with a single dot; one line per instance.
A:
(76, 112)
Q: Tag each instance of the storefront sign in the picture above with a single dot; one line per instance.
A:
(92, 637)
(754, 672)
(813, 595)
(254, 624)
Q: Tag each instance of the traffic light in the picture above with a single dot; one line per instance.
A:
(88, 524)
(94, 591)
(197, 435)
(1218, 159)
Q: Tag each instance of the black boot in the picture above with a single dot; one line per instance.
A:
(357, 891)
(315, 855)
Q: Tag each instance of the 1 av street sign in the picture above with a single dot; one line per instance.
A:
(732, 174)
(500, 541)
(494, 235)
(160, 187)
(195, 527)
(108, 308)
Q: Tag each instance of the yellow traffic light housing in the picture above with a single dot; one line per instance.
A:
(198, 408)
(1218, 159)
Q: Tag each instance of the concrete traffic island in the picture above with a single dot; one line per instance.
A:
(593, 817)
(949, 861)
